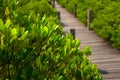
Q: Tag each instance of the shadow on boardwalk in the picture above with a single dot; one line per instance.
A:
(106, 57)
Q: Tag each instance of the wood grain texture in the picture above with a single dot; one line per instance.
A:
(106, 57)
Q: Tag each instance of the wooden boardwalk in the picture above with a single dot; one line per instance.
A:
(106, 57)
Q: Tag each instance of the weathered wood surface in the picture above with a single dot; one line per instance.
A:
(106, 57)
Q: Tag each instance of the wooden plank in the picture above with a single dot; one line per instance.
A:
(113, 79)
(109, 67)
(72, 31)
(111, 76)
(99, 57)
(106, 57)
(111, 70)
(106, 61)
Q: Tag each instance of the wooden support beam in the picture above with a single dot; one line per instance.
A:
(58, 14)
(74, 10)
(89, 19)
(72, 31)
(54, 3)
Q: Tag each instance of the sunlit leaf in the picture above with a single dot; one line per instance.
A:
(2, 41)
(7, 11)
(1, 24)
(14, 31)
(38, 61)
(87, 50)
(7, 24)
(77, 43)
(46, 29)
(24, 35)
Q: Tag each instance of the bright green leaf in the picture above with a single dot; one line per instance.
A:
(1, 25)
(24, 35)
(77, 43)
(13, 31)
(46, 29)
(7, 24)
(87, 50)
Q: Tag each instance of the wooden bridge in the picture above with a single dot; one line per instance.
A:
(106, 57)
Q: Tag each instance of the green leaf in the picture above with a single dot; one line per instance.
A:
(77, 43)
(44, 21)
(56, 28)
(14, 31)
(7, 24)
(1, 24)
(22, 30)
(72, 65)
(60, 78)
(38, 61)
(46, 29)
(24, 35)
(13, 38)
(87, 50)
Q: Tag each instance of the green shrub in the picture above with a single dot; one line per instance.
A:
(42, 52)
(106, 23)
(34, 48)
(41, 7)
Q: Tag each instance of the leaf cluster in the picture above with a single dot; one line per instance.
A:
(34, 48)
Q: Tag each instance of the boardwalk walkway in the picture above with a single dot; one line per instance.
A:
(106, 58)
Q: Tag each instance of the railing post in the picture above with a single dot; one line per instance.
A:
(72, 31)
(89, 20)
(58, 14)
(74, 10)
(54, 3)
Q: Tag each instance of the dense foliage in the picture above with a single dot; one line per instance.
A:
(33, 47)
(106, 17)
